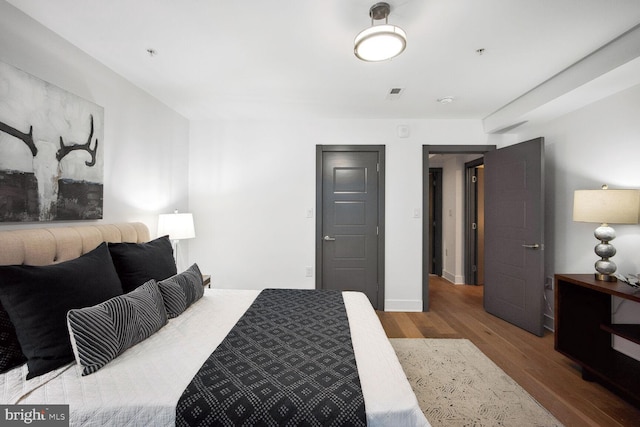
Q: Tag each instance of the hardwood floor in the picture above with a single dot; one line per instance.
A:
(553, 380)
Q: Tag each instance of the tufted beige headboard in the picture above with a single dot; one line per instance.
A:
(44, 246)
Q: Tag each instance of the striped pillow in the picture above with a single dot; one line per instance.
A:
(101, 332)
(181, 290)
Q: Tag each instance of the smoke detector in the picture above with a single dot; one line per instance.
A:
(445, 100)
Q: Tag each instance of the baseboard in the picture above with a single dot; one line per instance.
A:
(456, 280)
(402, 305)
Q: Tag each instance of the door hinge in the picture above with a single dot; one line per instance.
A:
(377, 230)
(377, 167)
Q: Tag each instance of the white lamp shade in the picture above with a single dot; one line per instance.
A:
(607, 206)
(380, 42)
(178, 226)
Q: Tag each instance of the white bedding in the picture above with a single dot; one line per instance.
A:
(137, 390)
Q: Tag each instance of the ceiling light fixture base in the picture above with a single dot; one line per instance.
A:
(379, 11)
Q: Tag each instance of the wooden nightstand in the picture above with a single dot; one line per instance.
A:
(206, 280)
(584, 329)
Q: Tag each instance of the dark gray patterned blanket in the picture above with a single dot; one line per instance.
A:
(287, 362)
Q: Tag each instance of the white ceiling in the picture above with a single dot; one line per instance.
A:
(294, 58)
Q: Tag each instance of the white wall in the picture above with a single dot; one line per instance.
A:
(145, 142)
(252, 182)
(597, 144)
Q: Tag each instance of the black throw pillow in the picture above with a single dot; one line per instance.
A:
(137, 263)
(10, 351)
(38, 298)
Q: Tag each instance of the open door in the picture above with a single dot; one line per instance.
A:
(474, 223)
(514, 234)
(435, 221)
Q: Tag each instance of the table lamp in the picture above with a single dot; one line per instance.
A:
(178, 226)
(606, 207)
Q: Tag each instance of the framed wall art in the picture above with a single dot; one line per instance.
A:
(51, 153)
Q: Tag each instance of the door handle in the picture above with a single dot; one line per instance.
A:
(329, 239)
(534, 246)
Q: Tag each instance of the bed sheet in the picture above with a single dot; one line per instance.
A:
(143, 385)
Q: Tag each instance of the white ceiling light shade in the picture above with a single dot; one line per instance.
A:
(380, 42)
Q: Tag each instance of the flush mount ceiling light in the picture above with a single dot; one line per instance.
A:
(380, 42)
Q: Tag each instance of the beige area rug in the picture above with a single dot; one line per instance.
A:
(457, 385)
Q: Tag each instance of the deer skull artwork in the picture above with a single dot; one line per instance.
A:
(62, 140)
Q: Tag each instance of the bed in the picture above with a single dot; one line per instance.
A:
(143, 384)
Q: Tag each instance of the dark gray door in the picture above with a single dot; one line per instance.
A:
(514, 234)
(474, 223)
(349, 231)
(435, 221)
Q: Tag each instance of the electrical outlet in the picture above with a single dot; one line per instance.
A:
(308, 271)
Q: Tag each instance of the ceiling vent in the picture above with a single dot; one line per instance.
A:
(394, 93)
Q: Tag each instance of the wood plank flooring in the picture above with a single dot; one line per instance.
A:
(553, 380)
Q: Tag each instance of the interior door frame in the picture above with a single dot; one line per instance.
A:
(380, 149)
(437, 149)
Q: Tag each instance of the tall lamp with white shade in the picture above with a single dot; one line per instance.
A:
(606, 207)
(179, 226)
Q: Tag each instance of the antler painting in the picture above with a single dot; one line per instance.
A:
(51, 164)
